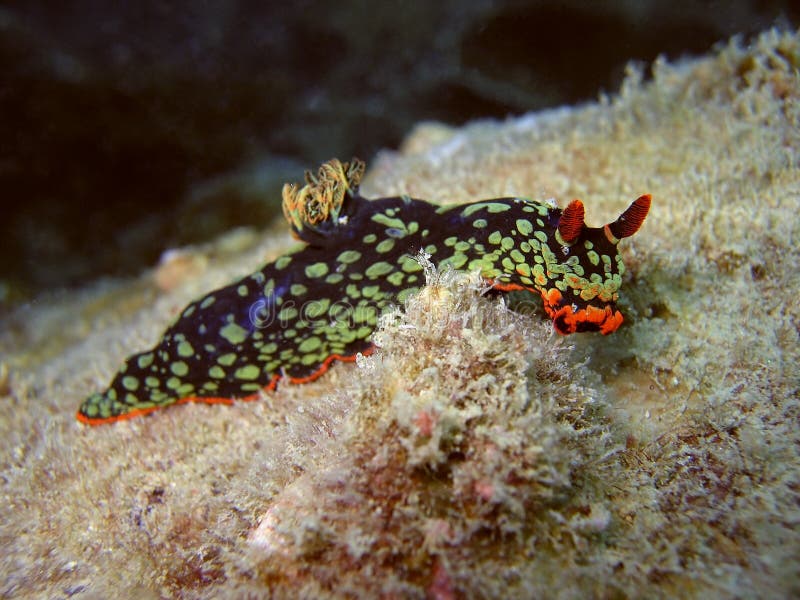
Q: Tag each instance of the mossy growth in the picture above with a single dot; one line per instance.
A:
(470, 455)
(461, 443)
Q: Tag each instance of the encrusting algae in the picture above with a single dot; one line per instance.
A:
(474, 454)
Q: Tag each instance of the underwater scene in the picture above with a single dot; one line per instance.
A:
(400, 300)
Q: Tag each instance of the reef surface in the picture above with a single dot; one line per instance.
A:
(475, 453)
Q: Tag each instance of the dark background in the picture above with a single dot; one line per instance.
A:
(127, 128)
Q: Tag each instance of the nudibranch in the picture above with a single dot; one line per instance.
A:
(321, 303)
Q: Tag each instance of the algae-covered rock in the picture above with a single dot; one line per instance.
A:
(475, 453)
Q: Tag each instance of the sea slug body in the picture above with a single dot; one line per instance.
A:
(321, 303)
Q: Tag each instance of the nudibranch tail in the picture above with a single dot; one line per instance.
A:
(290, 320)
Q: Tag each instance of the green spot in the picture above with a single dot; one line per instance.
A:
(185, 349)
(389, 222)
(495, 237)
(130, 383)
(479, 223)
(208, 301)
(189, 311)
(242, 290)
(319, 269)
(370, 290)
(309, 359)
(334, 278)
(316, 309)
(145, 360)
(152, 382)
(288, 313)
(353, 290)
(593, 257)
(492, 207)
(369, 238)
(179, 368)
(349, 256)
(378, 269)
(384, 246)
(517, 256)
(507, 243)
(404, 294)
(233, 333)
(309, 345)
(249, 372)
(364, 314)
(227, 359)
(451, 241)
(431, 249)
(462, 246)
(283, 262)
(497, 207)
(173, 383)
(457, 261)
(396, 278)
(540, 235)
(524, 226)
(185, 390)
(409, 265)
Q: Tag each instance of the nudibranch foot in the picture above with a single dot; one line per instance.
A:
(293, 318)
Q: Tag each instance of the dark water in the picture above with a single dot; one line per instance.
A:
(128, 128)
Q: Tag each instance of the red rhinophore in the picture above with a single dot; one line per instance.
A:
(633, 217)
(570, 224)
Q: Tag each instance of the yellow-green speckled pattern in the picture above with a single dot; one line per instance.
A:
(321, 303)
